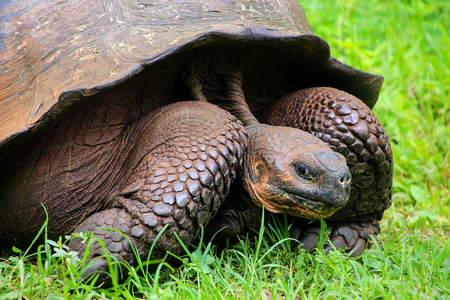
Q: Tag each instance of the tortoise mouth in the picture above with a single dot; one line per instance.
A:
(278, 200)
(313, 208)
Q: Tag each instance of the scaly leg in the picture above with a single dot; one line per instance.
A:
(180, 173)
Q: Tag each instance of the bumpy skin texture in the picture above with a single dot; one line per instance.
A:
(350, 128)
(180, 161)
(285, 170)
(178, 186)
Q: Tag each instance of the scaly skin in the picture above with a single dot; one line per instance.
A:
(285, 170)
(174, 171)
(270, 178)
(188, 161)
(349, 127)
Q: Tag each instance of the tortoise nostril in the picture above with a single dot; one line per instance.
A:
(345, 179)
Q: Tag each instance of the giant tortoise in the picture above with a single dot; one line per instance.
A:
(140, 115)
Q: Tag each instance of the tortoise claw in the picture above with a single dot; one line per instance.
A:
(223, 227)
(308, 237)
(97, 266)
(230, 222)
(309, 242)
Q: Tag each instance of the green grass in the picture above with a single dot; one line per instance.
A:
(405, 41)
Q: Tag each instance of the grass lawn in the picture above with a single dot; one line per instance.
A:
(407, 42)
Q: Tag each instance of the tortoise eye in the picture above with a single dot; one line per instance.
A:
(303, 170)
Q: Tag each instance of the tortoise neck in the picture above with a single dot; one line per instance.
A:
(223, 89)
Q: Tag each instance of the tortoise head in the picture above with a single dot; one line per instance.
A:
(290, 171)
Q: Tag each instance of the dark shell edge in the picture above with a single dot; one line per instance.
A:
(332, 72)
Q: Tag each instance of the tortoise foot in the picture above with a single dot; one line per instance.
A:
(354, 237)
(97, 266)
(229, 223)
(113, 242)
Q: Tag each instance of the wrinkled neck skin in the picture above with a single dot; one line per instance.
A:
(270, 172)
(222, 86)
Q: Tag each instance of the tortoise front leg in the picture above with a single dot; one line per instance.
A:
(184, 165)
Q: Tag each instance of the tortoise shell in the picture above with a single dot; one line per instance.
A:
(56, 55)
